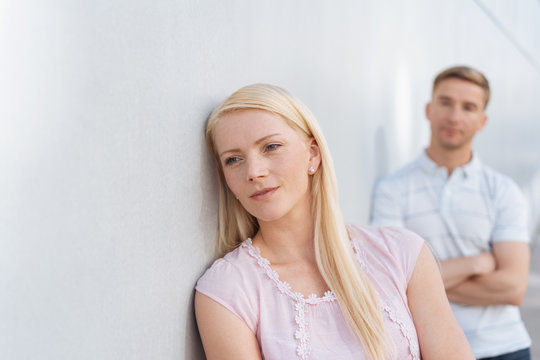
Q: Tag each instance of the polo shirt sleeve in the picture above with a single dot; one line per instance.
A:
(386, 209)
(511, 214)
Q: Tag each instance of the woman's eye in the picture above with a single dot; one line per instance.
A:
(271, 147)
(231, 160)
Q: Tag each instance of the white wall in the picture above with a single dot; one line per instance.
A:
(108, 197)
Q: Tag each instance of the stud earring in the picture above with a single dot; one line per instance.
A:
(311, 170)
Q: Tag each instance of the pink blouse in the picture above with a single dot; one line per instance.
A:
(290, 326)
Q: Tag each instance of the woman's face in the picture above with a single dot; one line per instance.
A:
(265, 163)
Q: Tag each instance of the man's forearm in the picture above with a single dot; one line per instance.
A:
(504, 286)
(497, 288)
(458, 270)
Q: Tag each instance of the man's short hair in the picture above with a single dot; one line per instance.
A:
(465, 73)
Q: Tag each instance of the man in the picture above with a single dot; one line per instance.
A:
(473, 218)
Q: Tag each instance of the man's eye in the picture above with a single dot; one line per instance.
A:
(231, 160)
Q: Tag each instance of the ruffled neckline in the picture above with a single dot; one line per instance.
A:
(283, 286)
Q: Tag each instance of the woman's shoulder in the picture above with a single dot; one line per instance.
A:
(228, 268)
(393, 245)
(390, 236)
(232, 282)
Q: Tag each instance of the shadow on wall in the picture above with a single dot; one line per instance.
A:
(207, 217)
(209, 195)
(194, 349)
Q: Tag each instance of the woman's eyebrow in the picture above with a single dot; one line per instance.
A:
(256, 143)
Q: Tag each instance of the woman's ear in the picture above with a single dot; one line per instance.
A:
(314, 154)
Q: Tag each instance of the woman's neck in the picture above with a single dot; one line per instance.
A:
(286, 240)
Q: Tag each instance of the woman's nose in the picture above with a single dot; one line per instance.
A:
(256, 168)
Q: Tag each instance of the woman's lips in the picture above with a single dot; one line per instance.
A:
(264, 193)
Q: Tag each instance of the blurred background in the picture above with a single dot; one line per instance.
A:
(107, 194)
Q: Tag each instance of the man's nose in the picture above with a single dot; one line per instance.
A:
(455, 114)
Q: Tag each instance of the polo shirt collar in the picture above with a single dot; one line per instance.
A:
(468, 170)
(471, 168)
(428, 165)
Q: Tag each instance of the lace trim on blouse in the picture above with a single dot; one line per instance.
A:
(302, 303)
(390, 312)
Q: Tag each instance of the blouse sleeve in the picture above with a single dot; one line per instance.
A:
(226, 284)
(404, 246)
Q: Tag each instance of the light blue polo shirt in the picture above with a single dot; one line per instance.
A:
(460, 215)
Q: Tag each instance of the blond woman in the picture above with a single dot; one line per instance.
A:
(294, 281)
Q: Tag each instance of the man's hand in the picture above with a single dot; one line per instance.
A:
(484, 263)
(458, 270)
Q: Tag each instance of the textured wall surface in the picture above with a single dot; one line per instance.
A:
(108, 197)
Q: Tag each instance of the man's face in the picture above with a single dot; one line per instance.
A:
(456, 113)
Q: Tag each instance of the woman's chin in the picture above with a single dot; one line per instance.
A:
(267, 217)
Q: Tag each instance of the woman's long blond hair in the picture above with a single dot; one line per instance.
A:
(335, 259)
